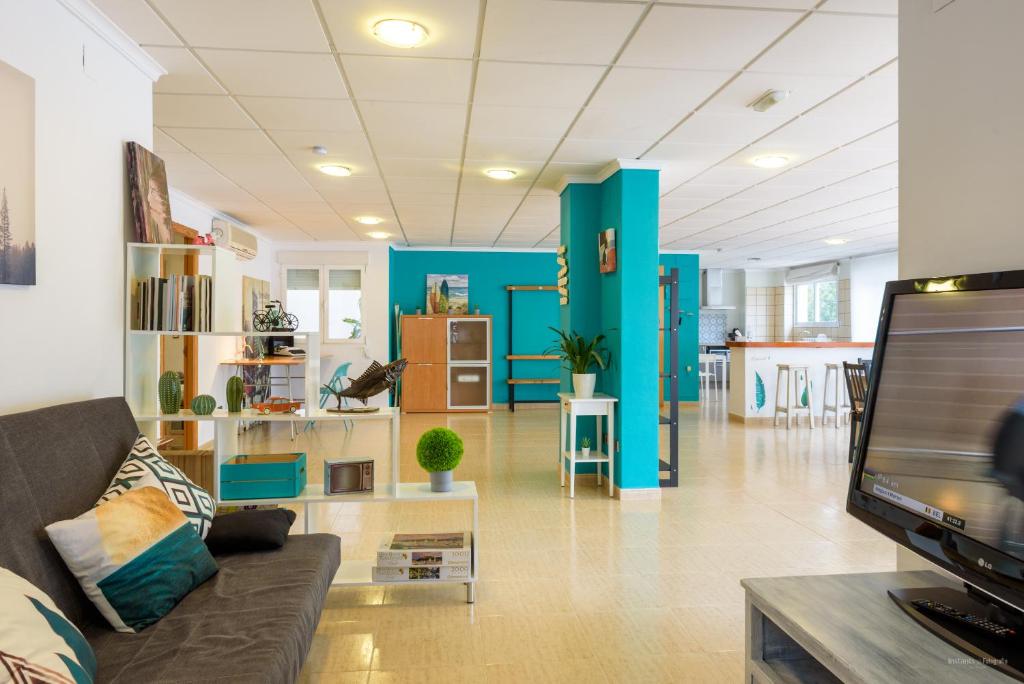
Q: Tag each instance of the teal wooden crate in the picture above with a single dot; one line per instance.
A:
(263, 476)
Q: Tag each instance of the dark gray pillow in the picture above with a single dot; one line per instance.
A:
(250, 531)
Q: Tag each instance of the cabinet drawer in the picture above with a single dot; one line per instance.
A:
(423, 387)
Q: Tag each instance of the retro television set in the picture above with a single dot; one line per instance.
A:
(940, 463)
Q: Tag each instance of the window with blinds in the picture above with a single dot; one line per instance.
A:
(326, 299)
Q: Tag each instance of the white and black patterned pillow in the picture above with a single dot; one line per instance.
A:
(144, 466)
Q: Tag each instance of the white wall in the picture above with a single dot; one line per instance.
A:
(374, 257)
(70, 326)
(961, 136)
(868, 276)
(960, 142)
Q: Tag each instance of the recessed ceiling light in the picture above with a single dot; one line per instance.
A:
(501, 174)
(369, 220)
(770, 161)
(836, 241)
(400, 33)
(335, 170)
(768, 99)
(378, 235)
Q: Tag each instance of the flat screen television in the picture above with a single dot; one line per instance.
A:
(939, 466)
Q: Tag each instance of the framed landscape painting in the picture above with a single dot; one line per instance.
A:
(447, 293)
(17, 178)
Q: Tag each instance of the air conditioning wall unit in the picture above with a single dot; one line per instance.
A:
(232, 236)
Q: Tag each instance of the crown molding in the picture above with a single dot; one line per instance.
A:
(482, 248)
(111, 33)
(607, 172)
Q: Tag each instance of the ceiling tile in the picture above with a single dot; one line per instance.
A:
(204, 141)
(246, 24)
(678, 92)
(184, 73)
(346, 149)
(805, 91)
(764, 4)
(139, 21)
(834, 44)
(490, 121)
(279, 74)
(437, 199)
(704, 38)
(725, 129)
(598, 151)
(302, 114)
(510, 149)
(863, 6)
(535, 85)
(623, 123)
(451, 25)
(353, 189)
(556, 31)
(407, 79)
(475, 183)
(164, 143)
(439, 186)
(202, 111)
(422, 168)
(401, 129)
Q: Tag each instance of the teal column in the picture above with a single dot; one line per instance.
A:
(629, 317)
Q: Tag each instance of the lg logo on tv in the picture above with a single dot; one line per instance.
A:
(984, 564)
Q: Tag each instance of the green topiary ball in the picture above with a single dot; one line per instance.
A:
(438, 450)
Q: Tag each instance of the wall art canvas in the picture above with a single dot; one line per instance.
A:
(606, 250)
(151, 203)
(256, 379)
(447, 293)
(17, 177)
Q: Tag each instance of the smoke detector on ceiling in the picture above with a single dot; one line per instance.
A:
(769, 99)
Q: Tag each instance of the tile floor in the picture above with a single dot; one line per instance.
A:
(591, 589)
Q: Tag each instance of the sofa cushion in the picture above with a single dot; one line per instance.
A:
(37, 643)
(136, 556)
(252, 622)
(144, 466)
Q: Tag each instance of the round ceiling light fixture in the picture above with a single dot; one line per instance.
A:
(770, 161)
(335, 170)
(369, 220)
(400, 33)
(378, 235)
(836, 241)
(500, 174)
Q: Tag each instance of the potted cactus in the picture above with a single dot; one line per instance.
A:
(169, 388)
(235, 391)
(438, 452)
(585, 447)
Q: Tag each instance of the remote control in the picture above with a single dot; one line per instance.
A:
(978, 623)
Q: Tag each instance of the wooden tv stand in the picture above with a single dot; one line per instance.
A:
(845, 628)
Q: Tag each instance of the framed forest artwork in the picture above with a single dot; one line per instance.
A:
(17, 177)
(151, 203)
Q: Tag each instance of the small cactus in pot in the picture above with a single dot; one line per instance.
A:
(235, 392)
(170, 392)
(203, 405)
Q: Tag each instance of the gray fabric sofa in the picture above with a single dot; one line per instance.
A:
(252, 622)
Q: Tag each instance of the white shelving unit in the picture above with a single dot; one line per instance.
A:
(141, 377)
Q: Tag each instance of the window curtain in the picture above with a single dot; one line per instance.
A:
(812, 273)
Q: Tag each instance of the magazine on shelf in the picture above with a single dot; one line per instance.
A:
(175, 303)
(420, 550)
(421, 573)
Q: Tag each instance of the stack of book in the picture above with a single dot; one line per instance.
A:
(425, 558)
(176, 303)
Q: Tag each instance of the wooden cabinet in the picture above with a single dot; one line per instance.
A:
(449, 363)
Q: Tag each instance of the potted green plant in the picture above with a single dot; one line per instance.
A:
(580, 355)
(585, 447)
(438, 452)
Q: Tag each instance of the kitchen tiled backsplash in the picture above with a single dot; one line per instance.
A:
(770, 316)
(711, 329)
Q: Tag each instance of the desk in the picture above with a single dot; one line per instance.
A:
(845, 628)
(287, 362)
(572, 407)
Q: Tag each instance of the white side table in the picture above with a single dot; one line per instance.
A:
(570, 409)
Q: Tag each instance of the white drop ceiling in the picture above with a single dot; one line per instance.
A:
(548, 88)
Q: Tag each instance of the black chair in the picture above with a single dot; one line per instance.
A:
(857, 387)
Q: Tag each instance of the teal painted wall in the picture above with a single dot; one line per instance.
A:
(489, 272)
(689, 305)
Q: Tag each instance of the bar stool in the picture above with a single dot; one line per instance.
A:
(834, 401)
(793, 374)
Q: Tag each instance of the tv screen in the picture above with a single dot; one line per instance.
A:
(947, 387)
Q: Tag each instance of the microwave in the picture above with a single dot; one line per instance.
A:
(348, 476)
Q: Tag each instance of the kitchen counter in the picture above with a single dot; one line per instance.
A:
(753, 373)
(806, 345)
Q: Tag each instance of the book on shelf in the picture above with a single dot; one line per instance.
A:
(421, 573)
(179, 303)
(414, 550)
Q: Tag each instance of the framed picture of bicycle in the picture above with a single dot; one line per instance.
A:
(17, 178)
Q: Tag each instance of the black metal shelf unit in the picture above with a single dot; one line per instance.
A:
(671, 283)
(511, 357)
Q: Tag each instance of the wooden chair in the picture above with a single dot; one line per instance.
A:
(857, 387)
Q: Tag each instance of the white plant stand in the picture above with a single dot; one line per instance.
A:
(571, 408)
